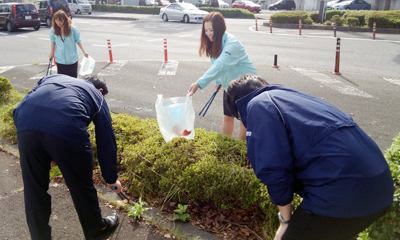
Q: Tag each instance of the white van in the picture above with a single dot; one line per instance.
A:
(80, 6)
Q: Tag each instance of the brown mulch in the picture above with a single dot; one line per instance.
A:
(230, 224)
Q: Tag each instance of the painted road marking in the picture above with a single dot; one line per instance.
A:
(187, 35)
(169, 68)
(23, 36)
(6, 68)
(112, 68)
(332, 83)
(395, 81)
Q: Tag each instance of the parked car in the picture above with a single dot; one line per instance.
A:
(223, 4)
(17, 15)
(80, 6)
(249, 5)
(163, 3)
(203, 3)
(47, 9)
(185, 12)
(331, 3)
(283, 4)
(352, 5)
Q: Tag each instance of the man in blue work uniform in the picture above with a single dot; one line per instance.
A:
(298, 143)
(51, 124)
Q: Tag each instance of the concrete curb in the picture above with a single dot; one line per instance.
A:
(155, 217)
(338, 28)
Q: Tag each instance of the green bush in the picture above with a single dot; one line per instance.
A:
(338, 20)
(388, 227)
(353, 21)
(230, 12)
(360, 15)
(5, 88)
(291, 17)
(328, 23)
(384, 19)
(314, 16)
(331, 13)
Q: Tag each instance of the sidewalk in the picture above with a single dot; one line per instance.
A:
(64, 220)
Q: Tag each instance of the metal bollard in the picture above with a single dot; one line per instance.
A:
(109, 51)
(275, 62)
(337, 57)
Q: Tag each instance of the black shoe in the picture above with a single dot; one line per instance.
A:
(112, 222)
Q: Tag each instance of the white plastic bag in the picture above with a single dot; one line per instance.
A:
(175, 117)
(87, 66)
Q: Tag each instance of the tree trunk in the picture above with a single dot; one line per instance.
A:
(387, 5)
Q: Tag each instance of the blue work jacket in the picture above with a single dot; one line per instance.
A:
(298, 143)
(66, 51)
(63, 106)
(232, 63)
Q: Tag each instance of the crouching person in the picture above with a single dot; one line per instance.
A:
(298, 143)
(51, 124)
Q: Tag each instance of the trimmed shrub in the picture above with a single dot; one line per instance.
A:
(338, 20)
(291, 17)
(230, 12)
(328, 23)
(360, 15)
(384, 19)
(331, 13)
(314, 16)
(353, 22)
(5, 88)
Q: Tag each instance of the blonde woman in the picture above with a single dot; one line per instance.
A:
(64, 37)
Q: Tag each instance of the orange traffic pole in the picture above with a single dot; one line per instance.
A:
(337, 57)
(256, 24)
(373, 31)
(299, 26)
(165, 51)
(109, 51)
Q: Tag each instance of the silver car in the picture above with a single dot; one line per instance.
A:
(185, 12)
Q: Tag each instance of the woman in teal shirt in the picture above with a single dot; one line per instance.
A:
(229, 61)
(64, 37)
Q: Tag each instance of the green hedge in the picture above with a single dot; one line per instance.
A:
(226, 12)
(385, 19)
(291, 17)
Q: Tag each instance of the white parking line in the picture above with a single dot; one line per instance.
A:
(187, 35)
(112, 68)
(154, 40)
(45, 39)
(3, 33)
(22, 36)
(332, 83)
(180, 29)
(395, 81)
(169, 68)
(112, 46)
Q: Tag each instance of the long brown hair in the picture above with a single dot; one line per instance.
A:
(62, 16)
(208, 48)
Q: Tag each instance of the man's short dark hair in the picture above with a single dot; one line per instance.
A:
(98, 82)
(241, 87)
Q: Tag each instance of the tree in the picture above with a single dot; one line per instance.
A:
(387, 5)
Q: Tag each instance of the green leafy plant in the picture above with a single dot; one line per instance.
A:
(180, 213)
(54, 172)
(138, 209)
